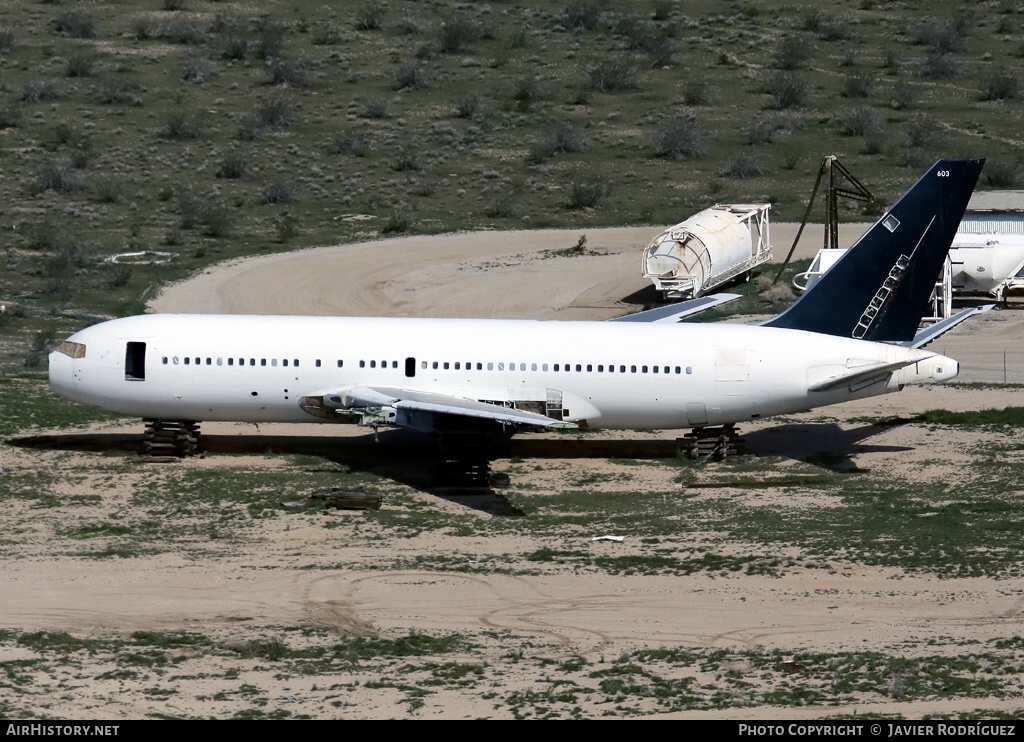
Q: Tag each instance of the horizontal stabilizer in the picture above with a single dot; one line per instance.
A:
(679, 310)
(940, 328)
(862, 375)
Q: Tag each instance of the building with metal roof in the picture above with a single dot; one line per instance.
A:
(994, 211)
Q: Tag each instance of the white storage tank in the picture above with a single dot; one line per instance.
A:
(990, 264)
(709, 249)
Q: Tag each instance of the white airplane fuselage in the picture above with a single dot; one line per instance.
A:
(599, 374)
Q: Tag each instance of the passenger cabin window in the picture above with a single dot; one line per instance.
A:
(135, 361)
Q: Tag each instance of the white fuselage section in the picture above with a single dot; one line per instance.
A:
(597, 374)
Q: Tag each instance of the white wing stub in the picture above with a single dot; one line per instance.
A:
(415, 409)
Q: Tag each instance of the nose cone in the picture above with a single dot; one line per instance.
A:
(62, 373)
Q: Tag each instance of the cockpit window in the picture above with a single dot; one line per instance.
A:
(72, 350)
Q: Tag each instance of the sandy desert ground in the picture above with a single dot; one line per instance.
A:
(244, 621)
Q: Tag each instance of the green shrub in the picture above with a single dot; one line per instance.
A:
(144, 27)
(942, 66)
(455, 34)
(197, 68)
(862, 121)
(39, 90)
(744, 165)
(182, 125)
(614, 76)
(698, 93)
(564, 137)
(6, 39)
(793, 52)
(683, 139)
(233, 166)
(75, 24)
(344, 143)
(412, 75)
(117, 90)
(409, 160)
(1000, 173)
(858, 85)
(1000, 84)
(10, 117)
(80, 64)
(765, 126)
(57, 175)
(377, 108)
(587, 192)
(183, 31)
(787, 89)
(283, 71)
(280, 192)
(584, 14)
(370, 16)
(467, 106)
(269, 43)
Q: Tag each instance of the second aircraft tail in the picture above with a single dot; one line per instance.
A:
(879, 289)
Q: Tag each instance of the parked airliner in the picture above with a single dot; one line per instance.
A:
(853, 335)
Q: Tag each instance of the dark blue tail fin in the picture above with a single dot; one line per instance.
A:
(879, 290)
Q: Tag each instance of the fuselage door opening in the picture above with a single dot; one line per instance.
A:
(135, 361)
